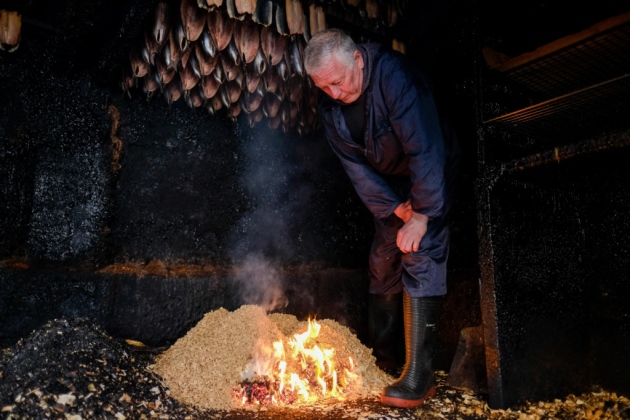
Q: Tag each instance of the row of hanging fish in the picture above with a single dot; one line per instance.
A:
(307, 17)
(209, 59)
(10, 30)
(288, 17)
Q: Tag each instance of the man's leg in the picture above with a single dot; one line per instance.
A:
(424, 279)
(385, 305)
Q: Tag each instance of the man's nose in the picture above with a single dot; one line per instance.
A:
(334, 92)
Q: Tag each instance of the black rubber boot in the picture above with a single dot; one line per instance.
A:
(385, 331)
(416, 383)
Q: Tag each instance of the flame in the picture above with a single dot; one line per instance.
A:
(299, 370)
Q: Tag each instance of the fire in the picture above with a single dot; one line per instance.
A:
(299, 369)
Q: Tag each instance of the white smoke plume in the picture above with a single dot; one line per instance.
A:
(260, 283)
(262, 241)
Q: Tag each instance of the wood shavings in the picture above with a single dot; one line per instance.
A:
(287, 324)
(71, 369)
(450, 403)
(204, 366)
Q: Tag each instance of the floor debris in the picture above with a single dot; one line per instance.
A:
(71, 369)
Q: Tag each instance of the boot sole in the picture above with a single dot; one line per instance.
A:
(404, 403)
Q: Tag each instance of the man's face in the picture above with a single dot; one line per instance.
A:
(340, 81)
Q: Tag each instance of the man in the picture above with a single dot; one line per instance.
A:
(381, 120)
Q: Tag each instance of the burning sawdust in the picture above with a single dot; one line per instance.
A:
(204, 367)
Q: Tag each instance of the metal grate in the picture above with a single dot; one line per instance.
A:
(596, 109)
(585, 86)
(600, 58)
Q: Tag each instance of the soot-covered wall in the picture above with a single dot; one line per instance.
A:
(559, 259)
(553, 203)
(144, 216)
(93, 176)
(198, 189)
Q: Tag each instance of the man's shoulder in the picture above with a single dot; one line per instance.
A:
(370, 47)
(387, 55)
(393, 65)
(377, 52)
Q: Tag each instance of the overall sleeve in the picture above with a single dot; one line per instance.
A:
(414, 119)
(372, 189)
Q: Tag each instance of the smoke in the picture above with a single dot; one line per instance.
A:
(260, 283)
(274, 198)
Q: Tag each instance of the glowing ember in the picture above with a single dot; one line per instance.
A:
(299, 369)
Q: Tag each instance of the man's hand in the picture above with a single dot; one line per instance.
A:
(403, 211)
(410, 235)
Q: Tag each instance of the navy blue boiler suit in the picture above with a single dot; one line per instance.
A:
(408, 153)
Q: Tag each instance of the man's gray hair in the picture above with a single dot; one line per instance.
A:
(326, 44)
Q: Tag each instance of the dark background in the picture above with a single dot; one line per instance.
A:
(144, 216)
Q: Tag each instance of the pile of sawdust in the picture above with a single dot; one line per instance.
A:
(203, 367)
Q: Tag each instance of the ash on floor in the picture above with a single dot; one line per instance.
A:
(71, 369)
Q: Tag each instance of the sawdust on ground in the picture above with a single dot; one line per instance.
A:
(203, 367)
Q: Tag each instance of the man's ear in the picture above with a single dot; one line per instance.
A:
(358, 58)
